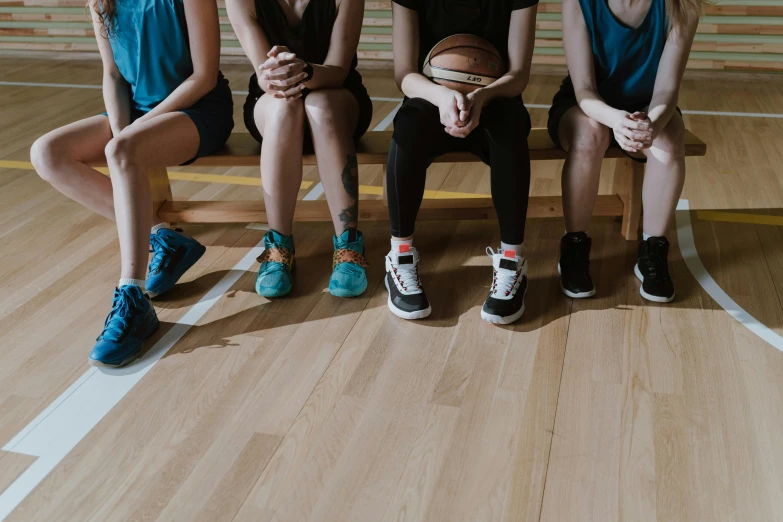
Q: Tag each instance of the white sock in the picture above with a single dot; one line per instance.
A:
(515, 248)
(133, 282)
(160, 226)
(646, 236)
(395, 243)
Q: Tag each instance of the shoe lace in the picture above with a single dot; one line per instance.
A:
(656, 264)
(118, 321)
(407, 276)
(160, 249)
(504, 281)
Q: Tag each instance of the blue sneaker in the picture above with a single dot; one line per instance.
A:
(349, 278)
(173, 255)
(277, 262)
(131, 321)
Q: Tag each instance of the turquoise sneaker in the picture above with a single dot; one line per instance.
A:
(173, 253)
(349, 278)
(277, 262)
(132, 320)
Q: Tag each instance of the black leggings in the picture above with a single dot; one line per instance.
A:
(500, 140)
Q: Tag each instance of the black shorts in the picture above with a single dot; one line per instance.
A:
(563, 101)
(358, 92)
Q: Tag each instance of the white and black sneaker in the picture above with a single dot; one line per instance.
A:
(406, 296)
(574, 266)
(506, 301)
(652, 269)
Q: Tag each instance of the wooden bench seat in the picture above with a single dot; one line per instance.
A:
(242, 150)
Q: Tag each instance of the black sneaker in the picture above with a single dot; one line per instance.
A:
(406, 296)
(652, 269)
(574, 266)
(506, 301)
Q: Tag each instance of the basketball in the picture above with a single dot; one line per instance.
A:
(463, 62)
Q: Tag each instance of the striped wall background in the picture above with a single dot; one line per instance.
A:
(733, 34)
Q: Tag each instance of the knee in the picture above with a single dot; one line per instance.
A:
(123, 150)
(669, 146)
(590, 138)
(280, 113)
(324, 112)
(507, 124)
(415, 121)
(45, 155)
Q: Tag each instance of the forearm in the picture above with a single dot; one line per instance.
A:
(117, 101)
(184, 96)
(416, 85)
(661, 110)
(596, 108)
(510, 85)
(251, 37)
(326, 77)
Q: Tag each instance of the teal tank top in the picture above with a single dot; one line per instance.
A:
(625, 59)
(151, 48)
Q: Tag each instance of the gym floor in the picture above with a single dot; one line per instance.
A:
(318, 408)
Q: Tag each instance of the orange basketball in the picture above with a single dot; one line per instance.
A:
(464, 62)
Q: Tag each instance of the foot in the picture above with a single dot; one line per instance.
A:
(277, 263)
(406, 295)
(574, 266)
(652, 269)
(131, 321)
(506, 301)
(173, 253)
(349, 278)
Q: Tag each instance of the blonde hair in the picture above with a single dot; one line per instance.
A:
(683, 14)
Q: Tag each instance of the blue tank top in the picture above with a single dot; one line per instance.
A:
(151, 48)
(626, 59)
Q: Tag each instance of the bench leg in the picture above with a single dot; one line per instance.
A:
(160, 187)
(628, 180)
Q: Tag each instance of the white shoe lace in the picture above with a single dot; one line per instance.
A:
(503, 282)
(407, 276)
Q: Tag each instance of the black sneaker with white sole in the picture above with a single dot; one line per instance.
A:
(406, 295)
(574, 265)
(506, 301)
(652, 269)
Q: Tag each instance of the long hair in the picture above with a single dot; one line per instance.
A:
(683, 14)
(106, 10)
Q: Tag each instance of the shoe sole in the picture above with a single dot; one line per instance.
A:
(419, 314)
(569, 293)
(650, 297)
(99, 364)
(187, 262)
(496, 319)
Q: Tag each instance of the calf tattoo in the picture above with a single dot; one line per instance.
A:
(350, 176)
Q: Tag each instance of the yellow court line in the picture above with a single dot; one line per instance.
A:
(256, 182)
(735, 217)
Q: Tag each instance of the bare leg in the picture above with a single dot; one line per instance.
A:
(281, 123)
(664, 177)
(170, 139)
(586, 142)
(332, 114)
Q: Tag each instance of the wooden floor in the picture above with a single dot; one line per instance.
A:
(325, 409)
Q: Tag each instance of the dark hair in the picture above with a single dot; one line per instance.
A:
(106, 10)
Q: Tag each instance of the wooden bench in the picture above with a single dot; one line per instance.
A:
(242, 150)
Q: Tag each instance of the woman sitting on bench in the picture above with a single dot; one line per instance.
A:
(491, 122)
(626, 61)
(306, 95)
(166, 104)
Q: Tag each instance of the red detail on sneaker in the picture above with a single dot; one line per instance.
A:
(511, 254)
(404, 248)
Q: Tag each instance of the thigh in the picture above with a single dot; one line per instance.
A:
(83, 140)
(164, 141)
(329, 109)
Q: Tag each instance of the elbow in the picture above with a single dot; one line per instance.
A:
(400, 75)
(206, 83)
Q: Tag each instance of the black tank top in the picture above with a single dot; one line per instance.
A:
(309, 41)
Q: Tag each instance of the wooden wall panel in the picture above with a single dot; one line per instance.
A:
(733, 34)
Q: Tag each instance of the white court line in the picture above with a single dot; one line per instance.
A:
(694, 264)
(65, 422)
(315, 193)
(257, 226)
(381, 98)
